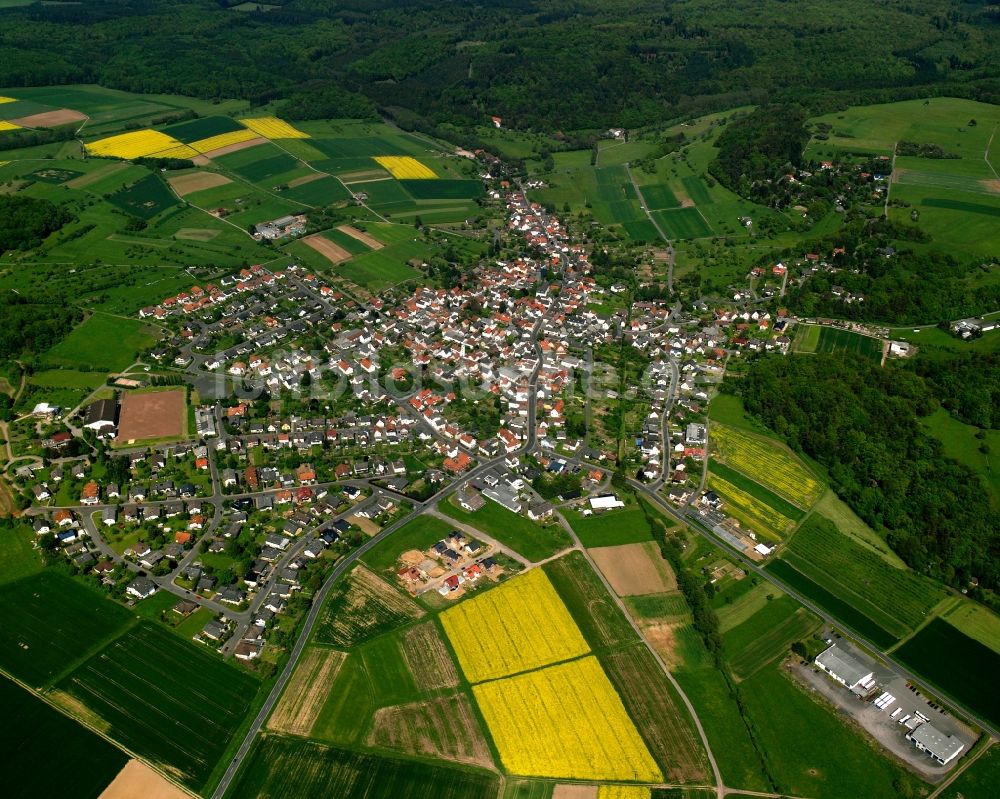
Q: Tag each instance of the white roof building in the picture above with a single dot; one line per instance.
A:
(943, 748)
(606, 502)
(845, 668)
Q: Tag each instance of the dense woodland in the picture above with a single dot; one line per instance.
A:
(30, 326)
(26, 222)
(861, 422)
(967, 385)
(555, 65)
(760, 148)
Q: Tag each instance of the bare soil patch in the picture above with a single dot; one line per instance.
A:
(50, 119)
(365, 605)
(201, 160)
(635, 569)
(77, 709)
(157, 414)
(196, 181)
(305, 179)
(565, 791)
(334, 253)
(306, 692)
(412, 557)
(235, 147)
(367, 526)
(364, 238)
(661, 637)
(138, 779)
(96, 175)
(992, 186)
(427, 658)
(444, 727)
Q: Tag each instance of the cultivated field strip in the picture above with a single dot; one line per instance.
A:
(898, 599)
(443, 727)
(661, 718)
(521, 625)
(302, 699)
(757, 515)
(428, 659)
(566, 722)
(766, 463)
(165, 699)
(362, 607)
(773, 643)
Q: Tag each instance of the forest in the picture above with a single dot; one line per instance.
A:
(25, 222)
(861, 423)
(544, 65)
(31, 326)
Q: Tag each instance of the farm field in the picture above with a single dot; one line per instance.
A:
(976, 622)
(362, 607)
(810, 750)
(979, 781)
(102, 342)
(299, 707)
(842, 610)
(820, 338)
(635, 569)
(518, 532)
(87, 763)
(610, 528)
(767, 635)
(145, 199)
(379, 269)
(283, 767)
(564, 721)
(847, 522)
(957, 663)
(17, 554)
(59, 623)
(67, 378)
(897, 599)
(757, 491)
(190, 706)
(529, 627)
(750, 511)
(767, 463)
(659, 714)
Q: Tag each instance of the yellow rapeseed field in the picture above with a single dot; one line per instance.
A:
(565, 722)
(4, 125)
(273, 128)
(140, 144)
(521, 625)
(623, 792)
(759, 516)
(223, 140)
(8, 100)
(403, 167)
(766, 463)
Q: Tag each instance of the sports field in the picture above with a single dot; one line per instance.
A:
(816, 338)
(152, 414)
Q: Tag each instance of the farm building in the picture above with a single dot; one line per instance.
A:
(606, 502)
(102, 416)
(943, 748)
(845, 669)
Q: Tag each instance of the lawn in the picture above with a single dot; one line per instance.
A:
(519, 533)
(285, 768)
(35, 734)
(843, 611)
(17, 556)
(421, 533)
(103, 342)
(57, 623)
(809, 750)
(188, 705)
(610, 528)
(956, 663)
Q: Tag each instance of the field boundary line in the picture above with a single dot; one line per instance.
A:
(986, 153)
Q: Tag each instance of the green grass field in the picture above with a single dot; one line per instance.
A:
(86, 762)
(956, 663)
(959, 442)
(898, 599)
(979, 781)
(850, 524)
(349, 705)
(518, 532)
(376, 270)
(280, 767)
(145, 199)
(103, 342)
(683, 223)
(421, 533)
(810, 750)
(624, 526)
(977, 622)
(324, 191)
(188, 705)
(67, 378)
(203, 128)
(58, 623)
(767, 635)
(17, 556)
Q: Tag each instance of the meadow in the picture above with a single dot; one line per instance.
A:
(421, 534)
(979, 781)
(518, 532)
(58, 623)
(977, 622)
(767, 635)
(189, 705)
(17, 554)
(102, 342)
(957, 664)
(610, 528)
(897, 599)
(145, 199)
(283, 768)
(86, 762)
(959, 442)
